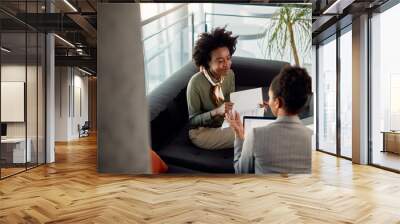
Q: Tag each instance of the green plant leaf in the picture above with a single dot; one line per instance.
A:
(277, 35)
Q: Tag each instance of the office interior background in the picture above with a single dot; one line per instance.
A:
(50, 79)
(334, 60)
(169, 29)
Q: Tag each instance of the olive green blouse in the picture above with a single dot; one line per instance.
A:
(200, 103)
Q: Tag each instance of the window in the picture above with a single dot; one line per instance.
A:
(166, 43)
(385, 87)
(327, 96)
(169, 39)
(251, 23)
(346, 93)
(148, 10)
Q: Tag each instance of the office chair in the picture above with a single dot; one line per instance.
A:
(84, 130)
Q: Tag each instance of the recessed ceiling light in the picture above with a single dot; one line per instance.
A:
(5, 50)
(64, 40)
(70, 5)
(338, 6)
(84, 71)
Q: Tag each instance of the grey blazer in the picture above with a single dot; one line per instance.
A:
(283, 146)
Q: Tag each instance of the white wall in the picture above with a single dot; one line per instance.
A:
(79, 117)
(12, 73)
(61, 103)
(70, 83)
(33, 126)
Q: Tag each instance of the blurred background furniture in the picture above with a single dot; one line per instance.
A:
(13, 151)
(391, 141)
(84, 130)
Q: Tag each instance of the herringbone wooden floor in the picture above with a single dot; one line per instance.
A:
(71, 191)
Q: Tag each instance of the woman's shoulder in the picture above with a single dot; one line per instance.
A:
(197, 80)
(197, 77)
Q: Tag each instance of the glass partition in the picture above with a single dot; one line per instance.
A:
(14, 153)
(31, 98)
(22, 88)
(41, 107)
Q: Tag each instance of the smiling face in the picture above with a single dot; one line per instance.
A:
(220, 62)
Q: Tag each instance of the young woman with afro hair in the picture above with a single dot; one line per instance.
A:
(209, 89)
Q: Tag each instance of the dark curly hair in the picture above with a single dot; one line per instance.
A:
(293, 86)
(207, 42)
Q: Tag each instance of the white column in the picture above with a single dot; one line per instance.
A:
(50, 99)
(63, 101)
(360, 90)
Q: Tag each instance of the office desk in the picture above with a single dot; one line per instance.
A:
(391, 141)
(13, 150)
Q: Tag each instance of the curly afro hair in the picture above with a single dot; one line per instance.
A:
(293, 86)
(207, 42)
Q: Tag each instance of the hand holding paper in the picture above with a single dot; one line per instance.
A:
(223, 109)
(247, 103)
(247, 100)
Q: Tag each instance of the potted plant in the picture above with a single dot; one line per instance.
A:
(289, 30)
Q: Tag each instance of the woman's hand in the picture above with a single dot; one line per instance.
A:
(223, 109)
(228, 107)
(233, 118)
(264, 105)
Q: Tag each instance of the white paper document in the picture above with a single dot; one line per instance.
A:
(247, 103)
(247, 100)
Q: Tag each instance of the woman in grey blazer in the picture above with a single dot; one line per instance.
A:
(283, 146)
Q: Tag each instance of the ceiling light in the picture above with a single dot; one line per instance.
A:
(70, 5)
(5, 50)
(84, 71)
(65, 41)
(338, 6)
(79, 51)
